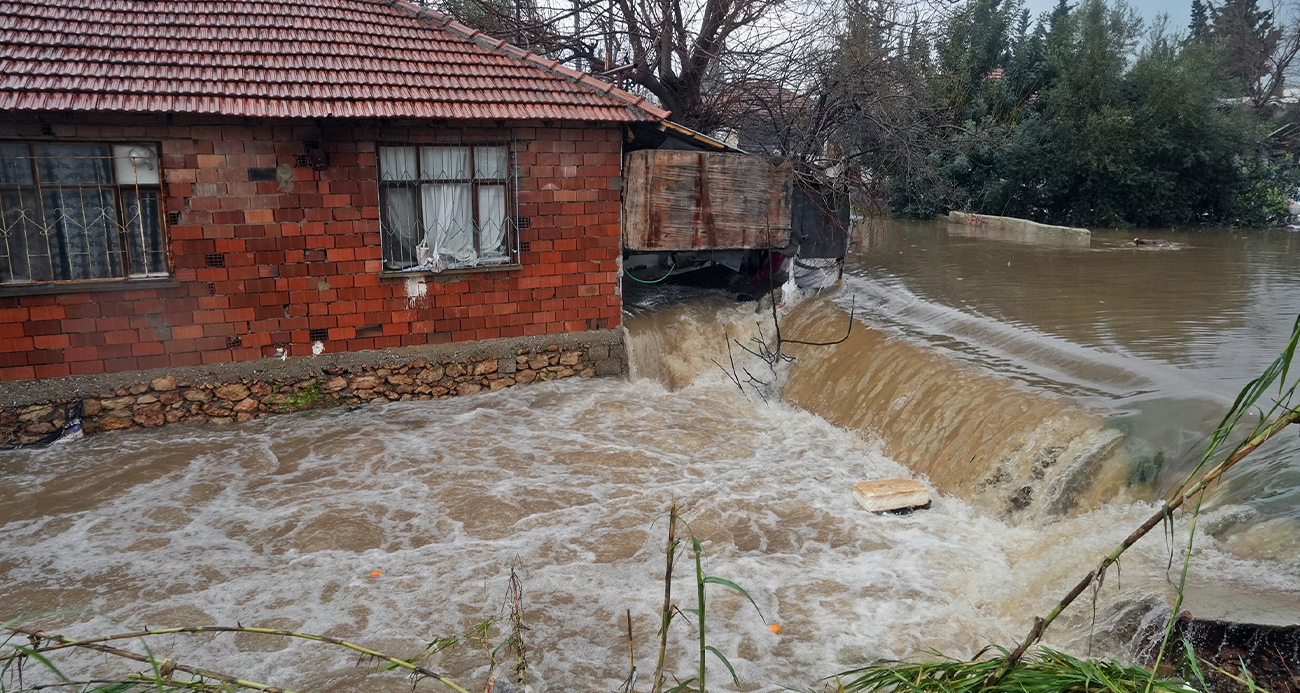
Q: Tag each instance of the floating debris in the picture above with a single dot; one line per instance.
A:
(892, 495)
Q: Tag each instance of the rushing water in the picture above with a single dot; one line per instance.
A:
(282, 522)
(1158, 339)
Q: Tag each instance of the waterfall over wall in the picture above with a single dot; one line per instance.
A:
(1014, 453)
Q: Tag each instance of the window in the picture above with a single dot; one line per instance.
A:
(444, 207)
(77, 211)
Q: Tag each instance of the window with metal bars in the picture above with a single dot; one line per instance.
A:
(80, 211)
(445, 207)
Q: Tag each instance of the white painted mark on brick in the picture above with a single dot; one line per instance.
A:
(415, 290)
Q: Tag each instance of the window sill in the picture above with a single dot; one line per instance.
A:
(390, 274)
(87, 286)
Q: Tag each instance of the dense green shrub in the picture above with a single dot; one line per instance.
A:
(1082, 120)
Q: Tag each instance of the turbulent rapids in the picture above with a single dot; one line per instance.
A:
(974, 435)
(398, 523)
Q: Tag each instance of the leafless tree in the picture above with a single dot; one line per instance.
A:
(878, 101)
(837, 85)
(1258, 46)
(696, 57)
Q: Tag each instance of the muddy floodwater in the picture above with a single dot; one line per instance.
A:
(986, 367)
(1158, 338)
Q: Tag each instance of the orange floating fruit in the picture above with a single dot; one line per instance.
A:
(376, 573)
(775, 628)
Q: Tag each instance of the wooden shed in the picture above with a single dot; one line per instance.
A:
(695, 200)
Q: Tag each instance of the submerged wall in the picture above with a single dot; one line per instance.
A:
(1023, 230)
(239, 392)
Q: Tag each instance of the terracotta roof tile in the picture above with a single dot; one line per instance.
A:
(284, 58)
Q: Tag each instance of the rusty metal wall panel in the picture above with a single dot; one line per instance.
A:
(678, 200)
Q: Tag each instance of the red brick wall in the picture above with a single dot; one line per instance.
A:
(309, 258)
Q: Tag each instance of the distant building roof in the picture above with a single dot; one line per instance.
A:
(284, 58)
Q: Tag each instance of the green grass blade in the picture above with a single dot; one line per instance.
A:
(1194, 664)
(682, 687)
(153, 662)
(725, 663)
(1289, 352)
(45, 662)
(711, 580)
(114, 688)
(31, 617)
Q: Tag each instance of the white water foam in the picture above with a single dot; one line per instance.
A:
(281, 522)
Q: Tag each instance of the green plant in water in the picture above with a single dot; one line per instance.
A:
(700, 581)
(1146, 469)
(698, 684)
(1042, 671)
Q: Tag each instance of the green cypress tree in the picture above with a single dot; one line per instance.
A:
(1199, 28)
(1061, 11)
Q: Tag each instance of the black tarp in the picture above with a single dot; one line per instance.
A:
(819, 221)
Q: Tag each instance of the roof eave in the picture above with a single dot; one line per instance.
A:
(448, 23)
(699, 137)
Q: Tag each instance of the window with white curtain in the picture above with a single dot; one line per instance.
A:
(444, 207)
(80, 211)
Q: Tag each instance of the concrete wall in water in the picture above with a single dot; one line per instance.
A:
(1021, 230)
(238, 392)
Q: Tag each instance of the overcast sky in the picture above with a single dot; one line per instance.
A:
(1179, 11)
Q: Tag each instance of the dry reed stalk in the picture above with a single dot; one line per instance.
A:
(666, 614)
(517, 626)
(165, 667)
(630, 683)
(63, 642)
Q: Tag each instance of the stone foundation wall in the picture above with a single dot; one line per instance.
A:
(154, 399)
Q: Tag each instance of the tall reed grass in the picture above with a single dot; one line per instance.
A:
(1040, 671)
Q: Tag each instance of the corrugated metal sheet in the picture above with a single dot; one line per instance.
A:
(284, 58)
(681, 200)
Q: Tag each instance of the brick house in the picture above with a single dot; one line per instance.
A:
(194, 182)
